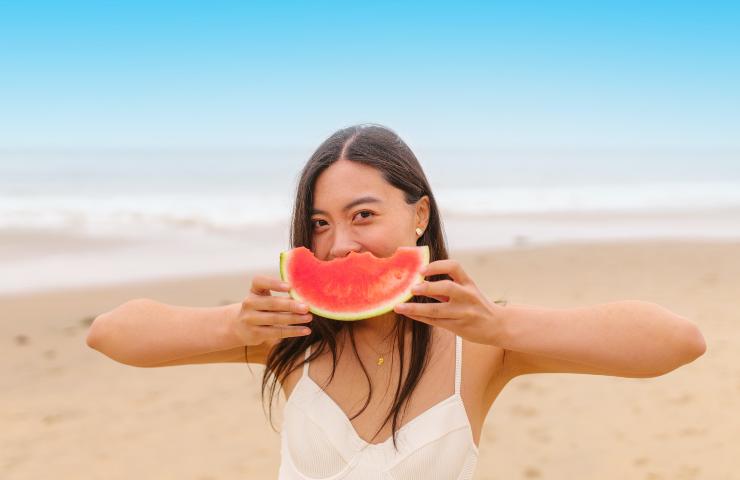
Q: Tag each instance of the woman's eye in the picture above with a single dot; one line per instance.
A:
(363, 214)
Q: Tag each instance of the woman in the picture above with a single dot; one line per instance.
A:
(443, 357)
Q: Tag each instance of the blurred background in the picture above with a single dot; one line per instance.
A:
(163, 138)
(161, 141)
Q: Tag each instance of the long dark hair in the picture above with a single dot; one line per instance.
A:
(381, 148)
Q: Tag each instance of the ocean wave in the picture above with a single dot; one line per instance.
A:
(233, 212)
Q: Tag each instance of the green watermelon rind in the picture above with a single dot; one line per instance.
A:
(352, 316)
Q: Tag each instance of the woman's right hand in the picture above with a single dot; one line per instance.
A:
(264, 317)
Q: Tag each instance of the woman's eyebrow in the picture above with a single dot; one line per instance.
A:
(351, 204)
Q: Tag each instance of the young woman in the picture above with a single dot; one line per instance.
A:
(405, 394)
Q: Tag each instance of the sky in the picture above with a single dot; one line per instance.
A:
(234, 74)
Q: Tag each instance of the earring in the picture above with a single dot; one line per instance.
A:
(418, 231)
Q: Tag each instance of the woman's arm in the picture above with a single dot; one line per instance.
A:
(629, 338)
(145, 333)
(625, 338)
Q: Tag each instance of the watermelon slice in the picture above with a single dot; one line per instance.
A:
(354, 287)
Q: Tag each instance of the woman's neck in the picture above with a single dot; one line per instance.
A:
(377, 330)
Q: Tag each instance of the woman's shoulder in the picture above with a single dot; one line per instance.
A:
(295, 371)
(479, 361)
(472, 350)
(482, 363)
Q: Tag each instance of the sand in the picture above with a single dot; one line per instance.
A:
(69, 412)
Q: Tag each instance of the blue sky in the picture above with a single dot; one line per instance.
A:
(457, 74)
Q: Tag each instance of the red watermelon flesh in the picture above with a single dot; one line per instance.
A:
(354, 287)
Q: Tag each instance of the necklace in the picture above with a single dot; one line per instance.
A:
(381, 356)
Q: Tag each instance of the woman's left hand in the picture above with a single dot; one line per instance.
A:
(463, 310)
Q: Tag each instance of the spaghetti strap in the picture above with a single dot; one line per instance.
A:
(458, 363)
(305, 357)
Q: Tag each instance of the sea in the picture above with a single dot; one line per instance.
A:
(72, 218)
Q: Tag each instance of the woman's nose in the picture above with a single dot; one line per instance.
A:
(343, 245)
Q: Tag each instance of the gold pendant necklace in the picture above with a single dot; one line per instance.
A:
(381, 360)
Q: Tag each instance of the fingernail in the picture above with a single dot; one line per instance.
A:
(286, 286)
(401, 307)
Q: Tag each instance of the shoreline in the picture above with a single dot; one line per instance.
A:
(463, 254)
(37, 260)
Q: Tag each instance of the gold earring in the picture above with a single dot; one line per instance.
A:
(418, 231)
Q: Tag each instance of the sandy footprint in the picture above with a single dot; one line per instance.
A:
(54, 418)
(688, 472)
(524, 385)
(654, 476)
(523, 411)
(532, 472)
(692, 431)
(641, 461)
(540, 434)
(681, 399)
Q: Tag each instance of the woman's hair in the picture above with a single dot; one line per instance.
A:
(382, 149)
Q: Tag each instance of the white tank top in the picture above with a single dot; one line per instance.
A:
(318, 441)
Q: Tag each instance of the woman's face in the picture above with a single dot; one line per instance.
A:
(356, 210)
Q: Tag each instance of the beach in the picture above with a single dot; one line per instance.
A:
(69, 411)
(568, 155)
